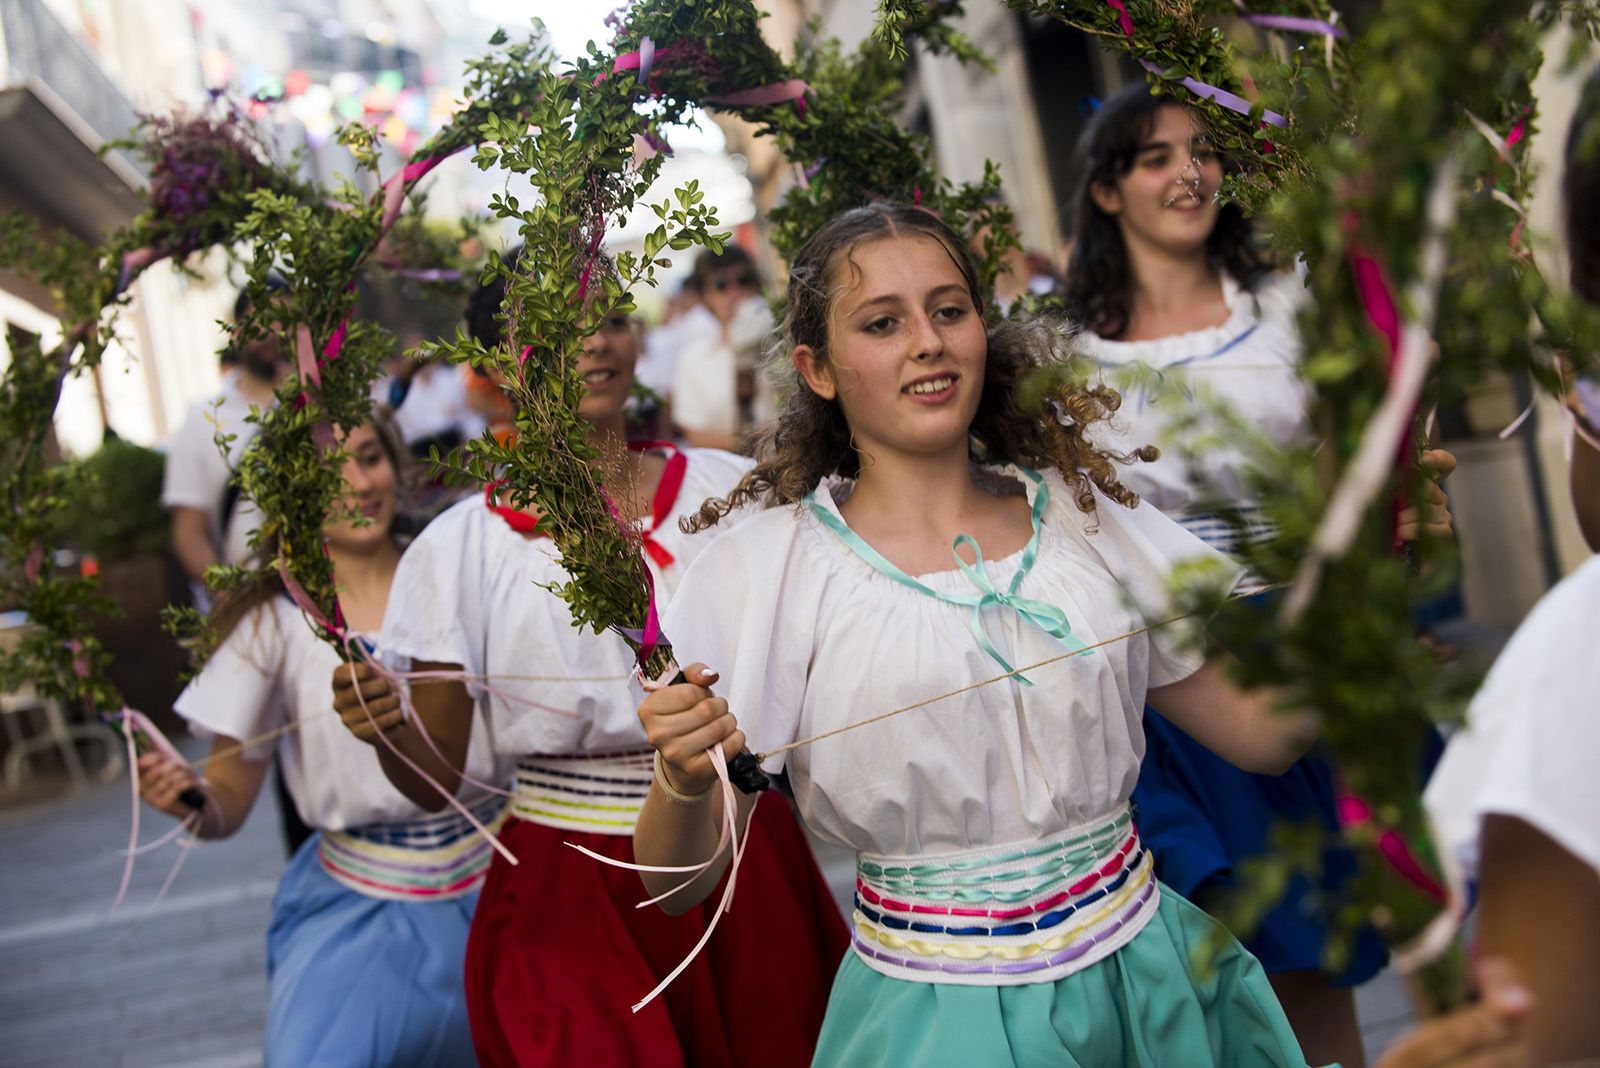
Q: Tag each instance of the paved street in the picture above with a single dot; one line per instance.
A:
(178, 985)
(182, 984)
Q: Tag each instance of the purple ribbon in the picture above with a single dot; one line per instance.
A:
(1293, 24)
(1231, 101)
(647, 56)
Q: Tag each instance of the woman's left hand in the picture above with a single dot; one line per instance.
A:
(1431, 517)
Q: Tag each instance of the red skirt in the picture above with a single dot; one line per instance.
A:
(559, 953)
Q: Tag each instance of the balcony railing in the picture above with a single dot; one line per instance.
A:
(38, 48)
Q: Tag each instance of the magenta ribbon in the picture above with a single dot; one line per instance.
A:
(1294, 24)
(588, 268)
(1354, 812)
(1518, 130)
(1123, 16)
(1377, 298)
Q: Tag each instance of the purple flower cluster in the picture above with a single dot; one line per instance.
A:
(199, 167)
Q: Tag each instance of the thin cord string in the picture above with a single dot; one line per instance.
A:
(294, 724)
(925, 702)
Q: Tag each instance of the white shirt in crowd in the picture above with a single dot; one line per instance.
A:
(436, 404)
(197, 470)
(705, 394)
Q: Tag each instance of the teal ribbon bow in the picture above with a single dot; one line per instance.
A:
(1041, 614)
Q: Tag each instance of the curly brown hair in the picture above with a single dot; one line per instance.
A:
(810, 439)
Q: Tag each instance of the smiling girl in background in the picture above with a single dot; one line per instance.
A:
(1166, 279)
(370, 919)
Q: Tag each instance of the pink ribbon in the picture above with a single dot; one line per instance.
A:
(1354, 812)
(34, 563)
(135, 723)
(727, 838)
(1295, 25)
(641, 60)
(302, 600)
(776, 93)
(394, 190)
(304, 359)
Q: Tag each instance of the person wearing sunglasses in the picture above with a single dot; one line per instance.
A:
(716, 392)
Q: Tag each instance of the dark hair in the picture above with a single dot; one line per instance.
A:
(1099, 284)
(233, 606)
(1580, 192)
(485, 319)
(811, 440)
(708, 263)
(242, 304)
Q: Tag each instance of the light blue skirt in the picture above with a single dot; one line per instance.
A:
(359, 981)
(1145, 1006)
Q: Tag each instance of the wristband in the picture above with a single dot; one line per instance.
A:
(676, 796)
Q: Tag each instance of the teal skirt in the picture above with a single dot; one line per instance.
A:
(1146, 1005)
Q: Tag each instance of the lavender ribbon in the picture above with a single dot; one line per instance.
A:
(1231, 101)
(1293, 24)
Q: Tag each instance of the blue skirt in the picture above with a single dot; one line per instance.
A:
(360, 981)
(1199, 815)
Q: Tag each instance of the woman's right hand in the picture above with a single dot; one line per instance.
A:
(1489, 1034)
(684, 721)
(366, 703)
(161, 780)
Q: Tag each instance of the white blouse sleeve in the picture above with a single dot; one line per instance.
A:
(1146, 552)
(1532, 740)
(435, 609)
(237, 693)
(746, 608)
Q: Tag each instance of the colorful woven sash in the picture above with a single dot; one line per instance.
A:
(432, 859)
(1032, 914)
(1217, 532)
(600, 793)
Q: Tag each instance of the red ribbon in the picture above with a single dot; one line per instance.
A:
(519, 521)
(666, 496)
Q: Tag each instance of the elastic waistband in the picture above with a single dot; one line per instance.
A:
(600, 793)
(1030, 914)
(434, 859)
